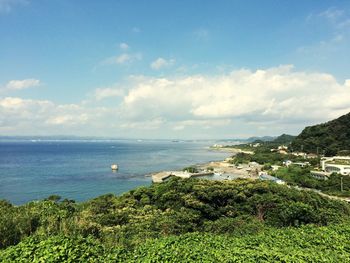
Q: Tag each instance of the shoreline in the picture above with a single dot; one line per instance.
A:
(229, 150)
(224, 169)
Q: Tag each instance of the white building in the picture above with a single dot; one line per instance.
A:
(320, 174)
(301, 154)
(275, 167)
(282, 147)
(302, 164)
(255, 144)
(336, 164)
(287, 163)
(266, 177)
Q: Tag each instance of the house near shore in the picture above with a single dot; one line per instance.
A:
(266, 177)
(300, 154)
(302, 164)
(320, 174)
(282, 149)
(311, 155)
(287, 162)
(336, 164)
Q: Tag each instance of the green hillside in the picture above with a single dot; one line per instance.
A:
(284, 139)
(193, 220)
(330, 138)
(304, 244)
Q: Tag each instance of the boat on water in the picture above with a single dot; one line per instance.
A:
(114, 167)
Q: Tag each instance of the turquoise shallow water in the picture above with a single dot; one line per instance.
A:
(80, 170)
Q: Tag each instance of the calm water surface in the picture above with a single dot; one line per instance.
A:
(81, 169)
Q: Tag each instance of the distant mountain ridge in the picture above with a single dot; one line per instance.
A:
(272, 140)
(329, 138)
(262, 139)
(284, 139)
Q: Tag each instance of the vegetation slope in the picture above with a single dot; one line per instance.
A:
(329, 138)
(180, 221)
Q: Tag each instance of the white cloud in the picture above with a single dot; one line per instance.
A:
(204, 124)
(123, 59)
(160, 63)
(275, 94)
(331, 13)
(152, 124)
(68, 119)
(22, 84)
(102, 93)
(18, 109)
(13, 103)
(6, 6)
(270, 101)
(28, 116)
(123, 46)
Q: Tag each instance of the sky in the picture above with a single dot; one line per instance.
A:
(184, 69)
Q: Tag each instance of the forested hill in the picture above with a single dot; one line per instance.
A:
(284, 139)
(330, 138)
(180, 221)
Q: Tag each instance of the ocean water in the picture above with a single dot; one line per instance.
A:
(80, 170)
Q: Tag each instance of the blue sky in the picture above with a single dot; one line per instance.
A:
(172, 69)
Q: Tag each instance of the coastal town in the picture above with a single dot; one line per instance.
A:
(241, 164)
(218, 170)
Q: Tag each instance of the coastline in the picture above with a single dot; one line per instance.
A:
(229, 150)
(217, 170)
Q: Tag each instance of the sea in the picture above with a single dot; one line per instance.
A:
(81, 169)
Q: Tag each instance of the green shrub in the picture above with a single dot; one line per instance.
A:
(190, 169)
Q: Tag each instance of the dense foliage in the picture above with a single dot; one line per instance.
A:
(331, 138)
(57, 249)
(295, 175)
(111, 226)
(307, 244)
(304, 244)
(190, 169)
(264, 156)
(260, 138)
(284, 139)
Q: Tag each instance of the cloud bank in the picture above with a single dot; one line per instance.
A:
(276, 94)
(239, 103)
